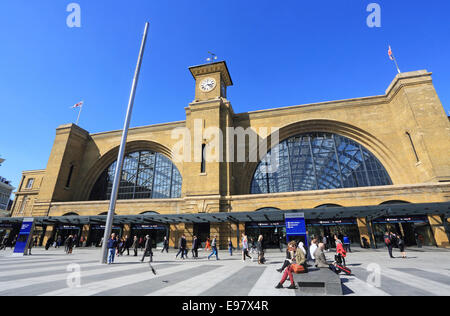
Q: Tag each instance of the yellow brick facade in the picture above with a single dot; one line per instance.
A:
(385, 125)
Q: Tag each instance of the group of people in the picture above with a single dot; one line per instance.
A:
(297, 257)
(259, 246)
(394, 240)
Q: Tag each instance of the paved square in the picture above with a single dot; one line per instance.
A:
(425, 272)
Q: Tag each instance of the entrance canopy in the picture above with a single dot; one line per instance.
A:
(264, 215)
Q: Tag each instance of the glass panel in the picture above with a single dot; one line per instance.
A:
(145, 175)
(319, 161)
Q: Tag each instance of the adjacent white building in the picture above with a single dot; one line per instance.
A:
(6, 190)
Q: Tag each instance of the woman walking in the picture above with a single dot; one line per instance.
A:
(245, 248)
(401, 245)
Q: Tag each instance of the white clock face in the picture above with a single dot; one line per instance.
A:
(207, 84)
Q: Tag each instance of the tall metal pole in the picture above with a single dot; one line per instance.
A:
(115, 188)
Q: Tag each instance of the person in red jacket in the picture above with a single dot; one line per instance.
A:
(340, 251)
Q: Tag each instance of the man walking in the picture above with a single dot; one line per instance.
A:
(135, 246)
(182, 247)
(195, 245)
(112, 245)
(148, 248)
(165, 245)
(214, 248)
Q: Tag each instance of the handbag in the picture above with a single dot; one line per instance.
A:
(298, 268)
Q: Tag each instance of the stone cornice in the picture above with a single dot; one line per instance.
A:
(204, 69)
(144, 129)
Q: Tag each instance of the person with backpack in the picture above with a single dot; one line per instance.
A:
(214, 248)
(388, 242)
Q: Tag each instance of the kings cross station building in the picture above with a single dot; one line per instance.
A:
(354, 167)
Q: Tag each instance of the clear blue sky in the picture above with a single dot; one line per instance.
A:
(279, 53)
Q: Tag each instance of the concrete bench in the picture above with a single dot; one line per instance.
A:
(318, 282)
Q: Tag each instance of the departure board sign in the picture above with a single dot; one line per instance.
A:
(295, 224)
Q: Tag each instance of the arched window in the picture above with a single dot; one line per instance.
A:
(317, 161)
(145, 175)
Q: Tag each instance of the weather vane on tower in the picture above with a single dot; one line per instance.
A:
(212, 58)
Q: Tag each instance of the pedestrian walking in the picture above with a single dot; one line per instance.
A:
(214, 248)
(165, 245)
(195, 245)
(252, 246)
(341, 253)
(69, 244)
(126, 245)
(148, 248)
(388, 242)
(401, 245)
(182, 247)
(135, 245)
(347, 243)
(30, 246)
(207, 244)
(313, 248)
(245, 248)
(230, 246)
(260, 248)
(112, 245)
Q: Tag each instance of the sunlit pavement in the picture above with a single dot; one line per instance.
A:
(426, 271)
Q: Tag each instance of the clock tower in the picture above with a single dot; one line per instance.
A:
(208, 117)
(211, 81)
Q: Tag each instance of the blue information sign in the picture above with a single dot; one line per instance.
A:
(295, 224)
(24, 236)
(296, 227)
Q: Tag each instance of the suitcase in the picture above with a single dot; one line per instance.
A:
(344, 269)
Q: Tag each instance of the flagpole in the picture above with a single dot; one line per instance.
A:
(79, 113)
(396, 65)
(118, 172)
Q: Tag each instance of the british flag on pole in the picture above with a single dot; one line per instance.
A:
(79, 104)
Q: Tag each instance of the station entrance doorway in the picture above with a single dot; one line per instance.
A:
(155, 231)
(416, 230)
(330, 228)
(202, 231)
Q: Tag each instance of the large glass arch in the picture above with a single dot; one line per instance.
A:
(317, 161)
(145, 175)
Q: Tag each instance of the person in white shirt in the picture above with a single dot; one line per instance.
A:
(313, 248)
